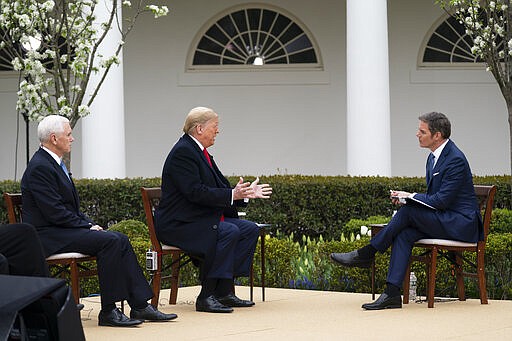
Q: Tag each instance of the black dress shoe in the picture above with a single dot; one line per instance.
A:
(115, 318)
(384, 302)
(351, 259)
(211, 305)
(150, 313)
(232, 301)
(79, 306)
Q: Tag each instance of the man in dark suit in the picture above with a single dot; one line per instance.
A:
(51, 204)
(198, 214)
(21, 253)
(449, 210)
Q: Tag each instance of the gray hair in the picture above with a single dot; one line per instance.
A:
(197, 116)
(437, 122)
(51, 124)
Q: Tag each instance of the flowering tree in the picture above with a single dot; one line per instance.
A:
(55, 45)
(487, 23)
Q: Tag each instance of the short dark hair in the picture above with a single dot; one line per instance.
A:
(437, 122)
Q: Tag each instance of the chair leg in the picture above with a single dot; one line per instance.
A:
(251, 280)
(157, 282)
(481, 275)
(262, 247)
(75, 283)
(407, 284)
(432, 277)
(175, 272)
(461, 292)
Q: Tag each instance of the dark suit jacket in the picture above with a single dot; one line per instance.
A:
(51, 203)
(450, 190)
(194, 196)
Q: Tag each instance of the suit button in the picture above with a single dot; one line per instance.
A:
(214, 227)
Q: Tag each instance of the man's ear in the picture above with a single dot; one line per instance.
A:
(199, 129)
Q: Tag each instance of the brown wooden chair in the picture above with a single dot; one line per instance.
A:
(151, 200)
(454, 252)
(66, 263)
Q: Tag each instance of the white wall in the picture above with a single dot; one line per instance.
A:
(265, 129)
(295, 127)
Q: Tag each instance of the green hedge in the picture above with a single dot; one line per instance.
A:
(321, 208)
(304, 205)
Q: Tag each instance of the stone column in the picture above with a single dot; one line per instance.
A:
(368, 109)
(103, 140)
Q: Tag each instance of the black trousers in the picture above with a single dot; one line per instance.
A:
(21, 252)
(119, 273)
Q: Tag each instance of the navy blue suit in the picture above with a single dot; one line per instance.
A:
(52, 205)
(456, 215)
(194, 197)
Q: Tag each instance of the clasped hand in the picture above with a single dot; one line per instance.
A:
(252, 190)
(96, 228)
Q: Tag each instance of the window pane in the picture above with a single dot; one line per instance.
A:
(250, 33)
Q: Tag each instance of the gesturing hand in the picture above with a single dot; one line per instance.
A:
(262, 191)
(242, 190)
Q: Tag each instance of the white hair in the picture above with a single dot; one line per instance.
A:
(51, 124)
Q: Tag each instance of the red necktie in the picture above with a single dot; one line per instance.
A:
(205, 152)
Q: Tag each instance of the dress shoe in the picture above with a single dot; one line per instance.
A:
(211, 305)
(351, 259)
(232, 301)
(150, 313)
(115, 318)
(79, 306)
(384, 302)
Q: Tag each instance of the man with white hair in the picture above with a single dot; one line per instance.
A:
(198, 213)
(51, 204)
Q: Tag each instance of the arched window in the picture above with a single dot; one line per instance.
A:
(253, 35)
(447, 44)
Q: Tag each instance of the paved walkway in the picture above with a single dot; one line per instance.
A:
(313, 315)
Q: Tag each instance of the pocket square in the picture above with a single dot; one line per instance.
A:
(435, 173)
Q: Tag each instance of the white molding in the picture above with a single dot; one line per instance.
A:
(444, 76)
(254, 78)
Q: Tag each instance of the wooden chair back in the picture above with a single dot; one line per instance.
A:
(13, 202)
(151, 200)
(485, 196)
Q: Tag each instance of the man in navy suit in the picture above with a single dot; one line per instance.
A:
(449, 210)
(198, 214)
(51, 204)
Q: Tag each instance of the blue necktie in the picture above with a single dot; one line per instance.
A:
(63, 166)
(430, 164)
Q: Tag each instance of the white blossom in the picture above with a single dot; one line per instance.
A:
(38, 95)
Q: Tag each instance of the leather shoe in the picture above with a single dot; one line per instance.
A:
(150, 313)
(211, 305)
(384, 302)
(232, 301)
(79, 306)
(351, 259)
(115, 318)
